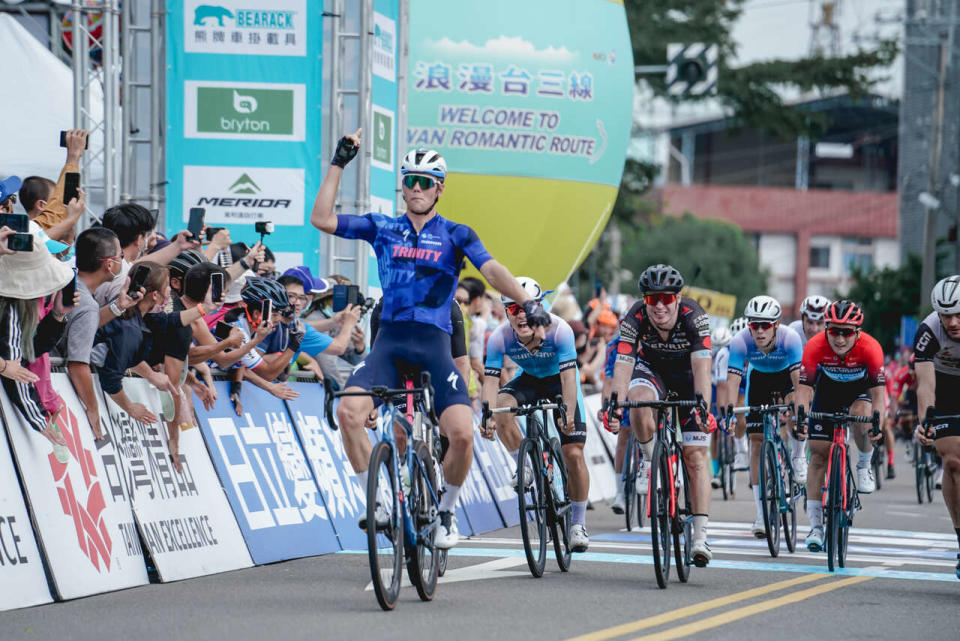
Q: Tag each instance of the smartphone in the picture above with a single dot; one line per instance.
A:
(266, 310)
(344, 295)
(222, 331)
(138, 280)
(17, 222)
(195, 226)
(20, 242)
(71, 183)
(69, 290)
(213, 231)
(63, 140)
(264, 227)
(216, 287)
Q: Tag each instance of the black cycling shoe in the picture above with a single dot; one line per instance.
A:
(890, 473)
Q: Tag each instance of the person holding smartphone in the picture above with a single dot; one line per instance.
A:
(43, 199)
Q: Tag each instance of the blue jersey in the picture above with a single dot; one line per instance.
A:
(611, 358)
(418, 272)
(557, 352)
(785, 355)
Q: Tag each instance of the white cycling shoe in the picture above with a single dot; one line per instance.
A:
(701, 553)
(579, 541)
(382, 516)
(527, 479)
(800, 469)
(741, 462)
(758, 529)
(866, 484)
(618, 503)
(815, 539)
(447, 533)
(643, 478)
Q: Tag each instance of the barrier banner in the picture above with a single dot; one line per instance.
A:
(591, 405)
(183, 517)
(498, 467)
(270, 486)
(603, 481)
(22, 581)
(478, 503)
(83, 530)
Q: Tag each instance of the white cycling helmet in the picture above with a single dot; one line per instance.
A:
(738, 325)
(814, 307)
(945, 296)
(762, 308)
(426, 162)
(721, 337)
(530, 286)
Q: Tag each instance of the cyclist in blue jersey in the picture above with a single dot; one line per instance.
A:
(419, 257)
(548, 367)
(623, 437)
(741, 454)
(773, 353)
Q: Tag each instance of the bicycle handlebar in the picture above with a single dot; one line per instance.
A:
(759, 409)
(384, 393)
(523, 410)
(614, 404)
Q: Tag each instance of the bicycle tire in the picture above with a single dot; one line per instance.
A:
(640, 503)
(770, 496)
(931, 472)
(659, 499)
(919, 468)
(731, 486)
(629, 481)
(386, 570)
(789, 518)
(876, 460)
(850, 487)
(532, 503)
(834, 509)
(682, 525)
(423, 561)
(442, 563)
(560, 525)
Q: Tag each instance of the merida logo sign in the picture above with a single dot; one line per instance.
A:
(244, 185)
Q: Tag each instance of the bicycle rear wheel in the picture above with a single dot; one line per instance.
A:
(385, 546)
(660, 514)
(629, 481)
(560, 524)
(793, 494)
(423, 559)
(533, 507)
(682, 521)
(834, 510)
(769, 496)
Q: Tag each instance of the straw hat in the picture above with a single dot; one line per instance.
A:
(28, 275)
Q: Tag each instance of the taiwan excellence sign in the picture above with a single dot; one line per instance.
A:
(543, 113)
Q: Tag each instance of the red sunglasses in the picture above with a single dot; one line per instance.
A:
(760, 325)
(841, 331)
(513, 309)
(653, 299)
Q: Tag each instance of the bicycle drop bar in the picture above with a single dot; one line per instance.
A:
(759, 409)
(839, 417)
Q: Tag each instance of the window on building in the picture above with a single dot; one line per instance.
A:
(856, 260)
(819, 257)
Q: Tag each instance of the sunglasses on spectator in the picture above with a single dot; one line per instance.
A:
(760, 325)
(425, 182)
(841, 331)
(653, 299)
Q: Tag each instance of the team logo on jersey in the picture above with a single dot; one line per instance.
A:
(452, 379)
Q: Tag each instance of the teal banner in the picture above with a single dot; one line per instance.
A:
(242, 77)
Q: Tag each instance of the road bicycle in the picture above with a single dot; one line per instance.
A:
(668, 497)
(779, 491)
(841, 500)
(409, 496)
(541, 485)
(726, 454)
(633, 502)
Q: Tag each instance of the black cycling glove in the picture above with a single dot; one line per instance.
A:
(296, 334)
(346, 151)
(536, 316)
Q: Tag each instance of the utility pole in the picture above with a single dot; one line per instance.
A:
(929, 271)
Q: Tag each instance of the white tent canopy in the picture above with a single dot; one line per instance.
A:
(38, 104)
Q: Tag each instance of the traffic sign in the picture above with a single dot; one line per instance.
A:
(692, 69)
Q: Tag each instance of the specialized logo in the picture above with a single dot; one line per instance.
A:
(452, 379)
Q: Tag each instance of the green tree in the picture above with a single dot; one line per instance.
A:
(886, 295)
(726, 262)
(751, 92)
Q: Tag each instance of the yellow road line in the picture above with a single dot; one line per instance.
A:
(681, 613)
(750, 610)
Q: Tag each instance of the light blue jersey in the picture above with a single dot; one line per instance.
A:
(785, 355)
(557, 352)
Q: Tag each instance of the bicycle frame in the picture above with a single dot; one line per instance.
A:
(770, 415)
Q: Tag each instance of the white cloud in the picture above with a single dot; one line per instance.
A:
(501, 47)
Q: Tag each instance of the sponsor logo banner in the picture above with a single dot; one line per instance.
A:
(183, 517)
(20, 563)
(80, 520)
(498, 467)
(245, 195)
(383, 143)
(276, 500)
(244, 110)
(275, 28)
(384, 47)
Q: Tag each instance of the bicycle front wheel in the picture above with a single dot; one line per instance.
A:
(851, 492)
(876, 460)
(833, 514)
(630, 481)
(384, 544)
(931, 472)
(533, 507)
(919, 468)
(793, 496)
(770, 496)
(659, 499)
(423, 559)
(561, 523)
(682, 520)
(722, 463)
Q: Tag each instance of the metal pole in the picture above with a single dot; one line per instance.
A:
(127, 166)
(336, 108)
(158, 80)
(403, 88)
(365, 109)
(79, 70)
(929, 270)
(111, 100)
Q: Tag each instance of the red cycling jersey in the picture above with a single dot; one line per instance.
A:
(862, 365)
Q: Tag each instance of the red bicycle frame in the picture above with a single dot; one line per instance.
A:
(839, 440)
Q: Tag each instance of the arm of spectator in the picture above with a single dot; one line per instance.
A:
(308, 363)
(351, 314)
(180, 243)
(5, 234)
(82, 380)
(325, 324)
(55, 211)
(62, 230)
(219, 242)
(255, 255)
(274, 364)
(137, 411)
(280, 390)
(204, 392)
(122, 302)
(225, 359)
(158, 379)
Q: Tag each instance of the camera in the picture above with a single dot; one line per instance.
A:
(264, 227)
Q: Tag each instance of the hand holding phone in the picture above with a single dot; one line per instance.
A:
(266, 310)
(138, 281)
(20, 242)
(195, 226)
(344, 295)
(216, 287)
(222, 331)
(71, 186)
(69, 291)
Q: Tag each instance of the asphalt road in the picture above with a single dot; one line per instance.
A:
(899, 584)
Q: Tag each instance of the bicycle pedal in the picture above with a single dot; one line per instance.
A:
(700, 562)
